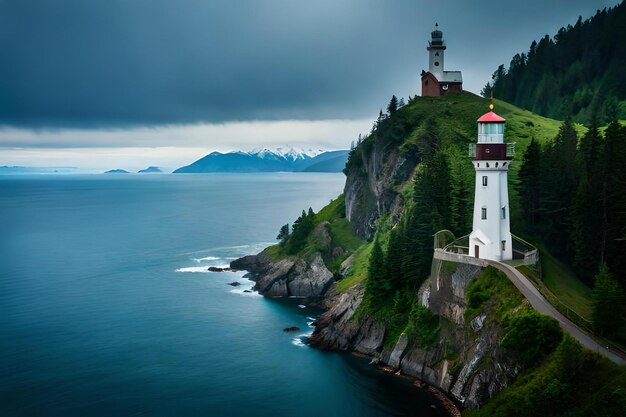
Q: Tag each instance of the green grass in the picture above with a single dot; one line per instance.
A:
(491, 289)
(423, 327)
(358, 273)
(341, 234)
(339, 230)
(561, 280)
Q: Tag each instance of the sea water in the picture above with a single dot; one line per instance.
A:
(107, 307)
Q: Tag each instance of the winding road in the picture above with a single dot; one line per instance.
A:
(539, 303)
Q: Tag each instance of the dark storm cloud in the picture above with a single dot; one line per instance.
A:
(144, 62)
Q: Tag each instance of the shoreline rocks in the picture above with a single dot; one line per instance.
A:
(286, 277)
(218, 269)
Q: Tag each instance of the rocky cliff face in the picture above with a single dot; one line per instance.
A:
(372, 185)
(468, 362)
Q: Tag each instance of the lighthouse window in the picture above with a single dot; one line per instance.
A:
(484, 180)
(503, 245)
(483, 213)
(504, 212)
(436, 53)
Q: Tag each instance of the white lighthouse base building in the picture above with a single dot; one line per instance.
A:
(491, 157)
(491, 234)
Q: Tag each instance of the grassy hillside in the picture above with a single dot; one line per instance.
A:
(433, 133)
(454, 118)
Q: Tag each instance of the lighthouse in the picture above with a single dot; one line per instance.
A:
(491, 157)
(436, 81)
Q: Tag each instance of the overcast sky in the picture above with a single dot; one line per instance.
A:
(163, 82)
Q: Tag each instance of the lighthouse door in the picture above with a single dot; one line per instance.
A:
(476, 251)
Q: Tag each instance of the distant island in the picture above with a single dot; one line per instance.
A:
(37, 170)
(281, 159)
(150, 170)
(117, 171)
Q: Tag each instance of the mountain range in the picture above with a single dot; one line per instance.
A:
(281, 159)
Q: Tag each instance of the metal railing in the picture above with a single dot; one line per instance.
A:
(510, 150)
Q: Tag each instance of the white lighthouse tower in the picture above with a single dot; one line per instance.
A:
(436, 48)
(491, 232)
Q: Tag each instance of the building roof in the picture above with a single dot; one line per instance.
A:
(490, 117)
(451, 77)
(480, 236)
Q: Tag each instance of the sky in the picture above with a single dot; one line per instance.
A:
(131, 83)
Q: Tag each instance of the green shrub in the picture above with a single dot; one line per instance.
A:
(532, 335)
(423, 327)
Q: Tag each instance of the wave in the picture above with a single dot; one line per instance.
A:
(203, 269)
(242, 291)
(207, 258)
(302, 340)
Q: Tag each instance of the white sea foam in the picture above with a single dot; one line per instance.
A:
(241, 291)
(207, 258)
(301, 306)
(301, 340)
(193, 269)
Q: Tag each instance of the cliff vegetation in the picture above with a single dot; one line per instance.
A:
(458, 327)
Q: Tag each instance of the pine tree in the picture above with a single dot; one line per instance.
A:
(530, 181)
(615, 196)
(377, 286)
(587, 228)
(394, 256)
(608, 302)
(558, 186)
(392, 107)
(283, 234)
(487, 91)
(460, 199)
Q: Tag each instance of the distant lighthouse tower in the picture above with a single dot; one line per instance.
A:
(491, 232)
(436, 49)
(436, 81)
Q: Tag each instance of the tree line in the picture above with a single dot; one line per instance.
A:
(573, 192)
(440, 197)
(578, 72)
(293, 239)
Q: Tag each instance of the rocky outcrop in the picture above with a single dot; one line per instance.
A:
(338, 329)
(446, 294)
(286, 277)
(467, 363)
(372, 184)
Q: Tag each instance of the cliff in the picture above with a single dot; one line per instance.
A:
(466, 361)
(310, 271)
(448, 328)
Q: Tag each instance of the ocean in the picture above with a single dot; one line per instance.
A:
(107, 307)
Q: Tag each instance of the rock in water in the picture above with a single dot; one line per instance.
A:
(291, 329)
(218, 269)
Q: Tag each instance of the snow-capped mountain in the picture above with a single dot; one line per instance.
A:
(283, 158)
(287, 152)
